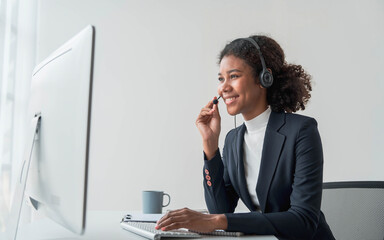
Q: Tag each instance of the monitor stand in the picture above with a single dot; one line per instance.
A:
(18, 197)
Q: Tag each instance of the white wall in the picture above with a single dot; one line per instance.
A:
(156, 66)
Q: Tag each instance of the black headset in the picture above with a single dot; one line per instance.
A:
(266, 77)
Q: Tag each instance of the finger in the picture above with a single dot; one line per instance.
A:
(210, 103)
(169, 214)
(161, 219)
(216, 109)
(169, 221)
(175, 214)
(178, 211)
(207, 112)
(205, 115)
(174, 226)
(204, 120)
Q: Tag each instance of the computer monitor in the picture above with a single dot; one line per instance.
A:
(61, 91)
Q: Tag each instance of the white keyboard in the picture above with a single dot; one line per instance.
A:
(147, 230)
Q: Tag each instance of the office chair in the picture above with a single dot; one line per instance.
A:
(354, 210)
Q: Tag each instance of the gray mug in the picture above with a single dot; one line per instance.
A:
(153, 201)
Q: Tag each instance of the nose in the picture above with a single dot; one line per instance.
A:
(224, 87)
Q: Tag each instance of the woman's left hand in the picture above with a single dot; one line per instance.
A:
(192, 220)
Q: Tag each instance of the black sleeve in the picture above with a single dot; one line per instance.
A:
(220, 196)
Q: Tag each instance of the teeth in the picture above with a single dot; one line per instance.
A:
(228, 100)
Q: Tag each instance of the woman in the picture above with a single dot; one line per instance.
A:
(273, 162)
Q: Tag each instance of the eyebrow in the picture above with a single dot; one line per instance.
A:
(231, 71)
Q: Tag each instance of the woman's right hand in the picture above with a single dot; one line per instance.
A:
(209, 124)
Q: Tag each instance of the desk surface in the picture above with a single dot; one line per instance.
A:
(99, 225)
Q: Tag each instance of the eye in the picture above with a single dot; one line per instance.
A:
(220, 79)
(234, 76)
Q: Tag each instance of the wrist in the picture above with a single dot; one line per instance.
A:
(209, 155)
(221, 222)
(210, 149)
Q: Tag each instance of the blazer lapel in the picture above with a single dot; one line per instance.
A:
(243, 189)
(273, 144)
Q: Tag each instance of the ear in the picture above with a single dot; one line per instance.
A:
(257, 82)
(269, 70)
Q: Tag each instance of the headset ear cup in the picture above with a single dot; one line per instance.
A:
(266, 79)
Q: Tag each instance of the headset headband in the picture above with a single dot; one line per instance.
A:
(251, 40)
(266, 77)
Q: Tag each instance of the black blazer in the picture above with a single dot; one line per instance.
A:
(289, 186)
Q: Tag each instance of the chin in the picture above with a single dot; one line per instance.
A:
(232, 112)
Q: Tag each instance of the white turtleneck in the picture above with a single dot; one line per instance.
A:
(253, 146)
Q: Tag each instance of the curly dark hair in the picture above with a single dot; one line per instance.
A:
(291, 86)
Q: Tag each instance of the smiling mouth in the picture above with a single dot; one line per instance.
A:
(230, 100)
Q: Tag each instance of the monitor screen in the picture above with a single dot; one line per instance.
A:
(61, 91)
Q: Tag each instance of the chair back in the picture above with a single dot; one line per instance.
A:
(354, 210)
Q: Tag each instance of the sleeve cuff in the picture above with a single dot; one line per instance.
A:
(217, 155)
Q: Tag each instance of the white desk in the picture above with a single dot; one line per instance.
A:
(99, 225)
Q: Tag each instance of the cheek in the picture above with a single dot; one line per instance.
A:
(249, 93)
(242, 89)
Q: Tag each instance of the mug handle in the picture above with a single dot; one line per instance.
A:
(169, 199)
